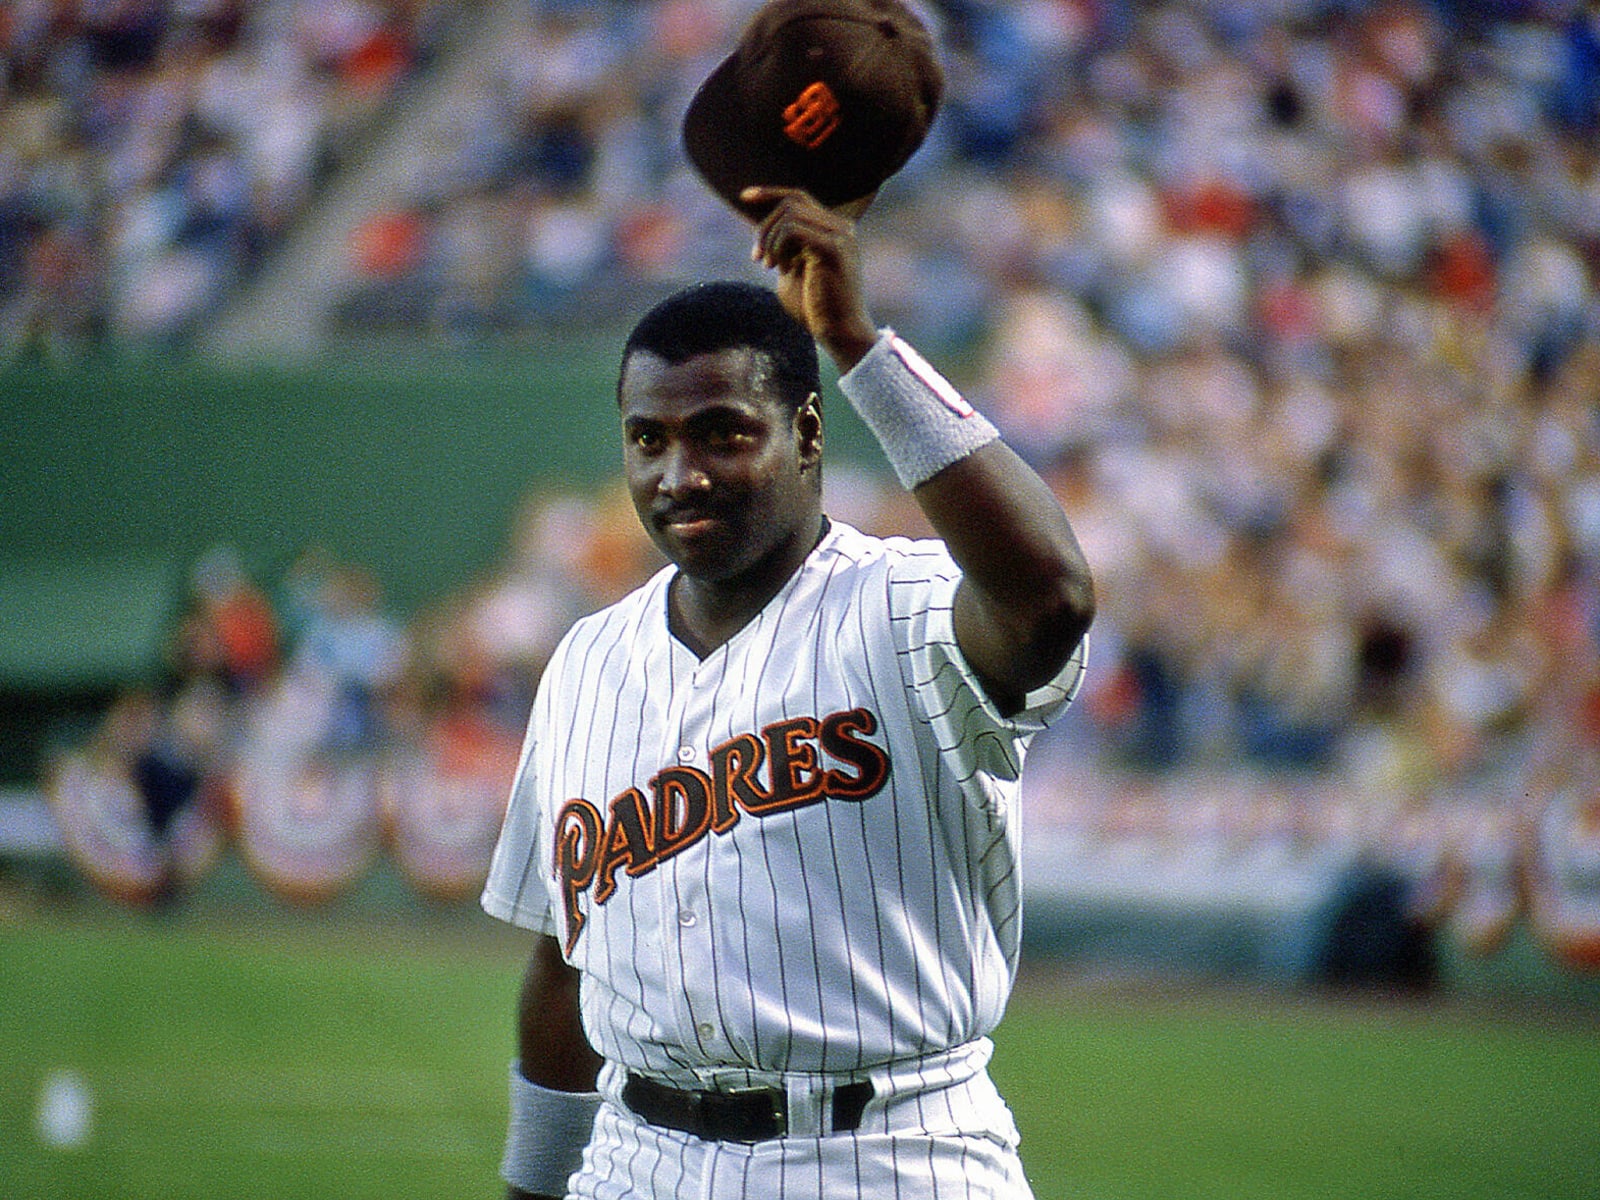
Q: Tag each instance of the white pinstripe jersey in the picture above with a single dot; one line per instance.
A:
(797, 855)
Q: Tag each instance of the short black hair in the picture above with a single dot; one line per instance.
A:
(725, 314)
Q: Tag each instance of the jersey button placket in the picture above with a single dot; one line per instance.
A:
(676, 741)
(691, 901)
(695, 961)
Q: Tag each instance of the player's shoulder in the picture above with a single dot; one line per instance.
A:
(610, 621)
(896, 555)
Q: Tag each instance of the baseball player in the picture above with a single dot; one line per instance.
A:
(764, 826)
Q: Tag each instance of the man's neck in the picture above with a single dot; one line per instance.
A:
(704, 614)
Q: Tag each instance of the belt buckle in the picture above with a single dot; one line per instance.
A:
(743, 1107)
(780, 1111)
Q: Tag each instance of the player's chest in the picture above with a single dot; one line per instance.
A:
(758, 721)
(663, 754)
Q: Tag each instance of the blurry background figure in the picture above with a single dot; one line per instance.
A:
(310, 763)
(176, 764)
(1564, 882)
(356, 654)
(501, 633)
(231, 633)
(138, 807)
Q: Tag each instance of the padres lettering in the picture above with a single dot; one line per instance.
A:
(685, 804)
(813, 116)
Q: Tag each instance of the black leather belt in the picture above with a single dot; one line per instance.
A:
(750, 1115)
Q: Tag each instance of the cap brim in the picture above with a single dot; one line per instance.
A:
(727, 162)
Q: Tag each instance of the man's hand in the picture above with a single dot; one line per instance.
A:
(814, 251)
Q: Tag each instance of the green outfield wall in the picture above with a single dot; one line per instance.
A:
(408, 465)
(412, 464)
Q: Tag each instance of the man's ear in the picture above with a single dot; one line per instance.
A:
(808, 427)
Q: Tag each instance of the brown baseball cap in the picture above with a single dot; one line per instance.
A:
(833, 96)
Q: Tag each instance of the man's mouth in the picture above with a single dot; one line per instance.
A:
(687, 522)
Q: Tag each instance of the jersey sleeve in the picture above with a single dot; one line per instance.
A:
(968, 727)
(515, 890)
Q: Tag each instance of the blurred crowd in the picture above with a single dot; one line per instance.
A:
(153, 151)
(1293, 301)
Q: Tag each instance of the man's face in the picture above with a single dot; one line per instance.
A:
(722, 472)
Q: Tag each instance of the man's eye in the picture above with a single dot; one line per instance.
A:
(647, 440)
(725, 437)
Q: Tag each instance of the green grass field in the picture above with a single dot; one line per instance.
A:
(316, 1057)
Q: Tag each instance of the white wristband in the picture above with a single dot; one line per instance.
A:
(918, 417)
(547, 1134)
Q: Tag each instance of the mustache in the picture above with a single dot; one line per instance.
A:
(668, 513)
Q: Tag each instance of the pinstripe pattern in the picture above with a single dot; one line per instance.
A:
(939, 1132)
(818, 939)
(627, 1160)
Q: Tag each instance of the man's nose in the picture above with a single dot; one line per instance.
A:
(681, 474)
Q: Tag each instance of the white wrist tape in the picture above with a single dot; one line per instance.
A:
(547, 1134)
(918, 417)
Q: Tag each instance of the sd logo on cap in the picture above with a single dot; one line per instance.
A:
(833, 96)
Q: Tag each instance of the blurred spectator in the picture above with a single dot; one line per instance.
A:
(355, 656)
(231, 633)
(180, 746)
(152, 150)
(494, 640)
